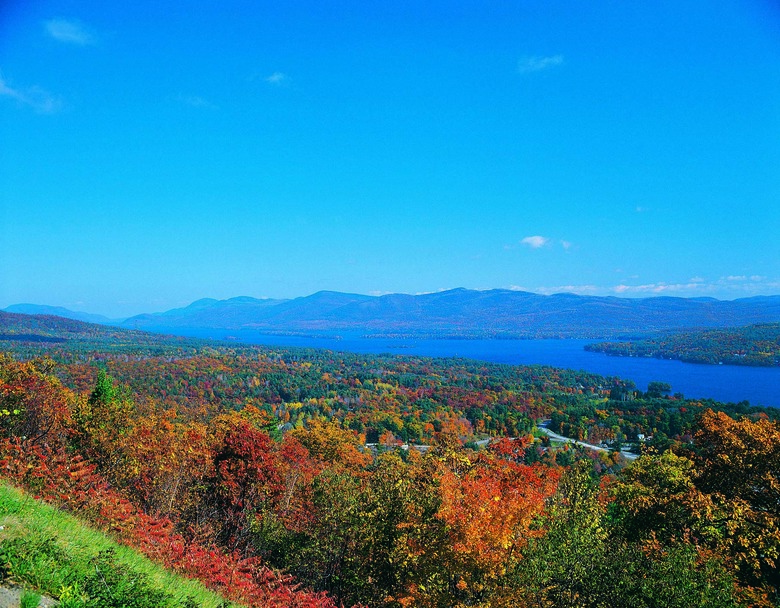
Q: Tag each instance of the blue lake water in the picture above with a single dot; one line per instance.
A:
(727, 383)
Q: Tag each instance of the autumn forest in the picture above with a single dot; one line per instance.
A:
(310, 478)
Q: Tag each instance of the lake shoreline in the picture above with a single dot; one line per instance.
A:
(724, 383)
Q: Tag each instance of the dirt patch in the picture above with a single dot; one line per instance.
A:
(10, 597)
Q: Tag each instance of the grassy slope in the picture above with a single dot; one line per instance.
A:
(57, 549)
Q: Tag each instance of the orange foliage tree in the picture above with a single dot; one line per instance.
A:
(489, 505)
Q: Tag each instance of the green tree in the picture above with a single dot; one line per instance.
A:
(556, 569)
(586, 561)
(658, 389)
(102, 422)
(104, 393)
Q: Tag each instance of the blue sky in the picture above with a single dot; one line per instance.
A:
(154, 153)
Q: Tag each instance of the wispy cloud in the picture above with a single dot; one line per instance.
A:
(278, 79)
(734, 285)
(578, 289)
(70, 31)
(659, 288)
(725, 287)
(33, 97)
(535, 63)
(748, 282)
(196, 101)
(538, 241)
(535, 242)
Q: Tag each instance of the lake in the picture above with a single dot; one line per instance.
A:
(727, 383)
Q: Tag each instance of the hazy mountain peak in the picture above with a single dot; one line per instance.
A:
(202, 303)
(59, 311)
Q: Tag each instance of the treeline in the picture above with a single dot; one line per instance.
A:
(756, 345)
(230, 499)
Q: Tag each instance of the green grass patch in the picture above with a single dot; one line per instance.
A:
(51, 552)
(29, 600)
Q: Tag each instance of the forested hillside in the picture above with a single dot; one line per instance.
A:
(757, 345)
(292, 477)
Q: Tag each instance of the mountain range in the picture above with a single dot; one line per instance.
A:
(59, 311)
(465, 313)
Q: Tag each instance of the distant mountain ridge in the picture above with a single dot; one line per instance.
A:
(465, 313)
(462, 312)
(59, 311)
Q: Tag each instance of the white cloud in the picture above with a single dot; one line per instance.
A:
(70, 31)
(535, 242)
(578, 289)
(278, 79)
(33, 97)
(722, 288)
(734, 285)
(534, 63)
(657, 288)
(566, 245)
